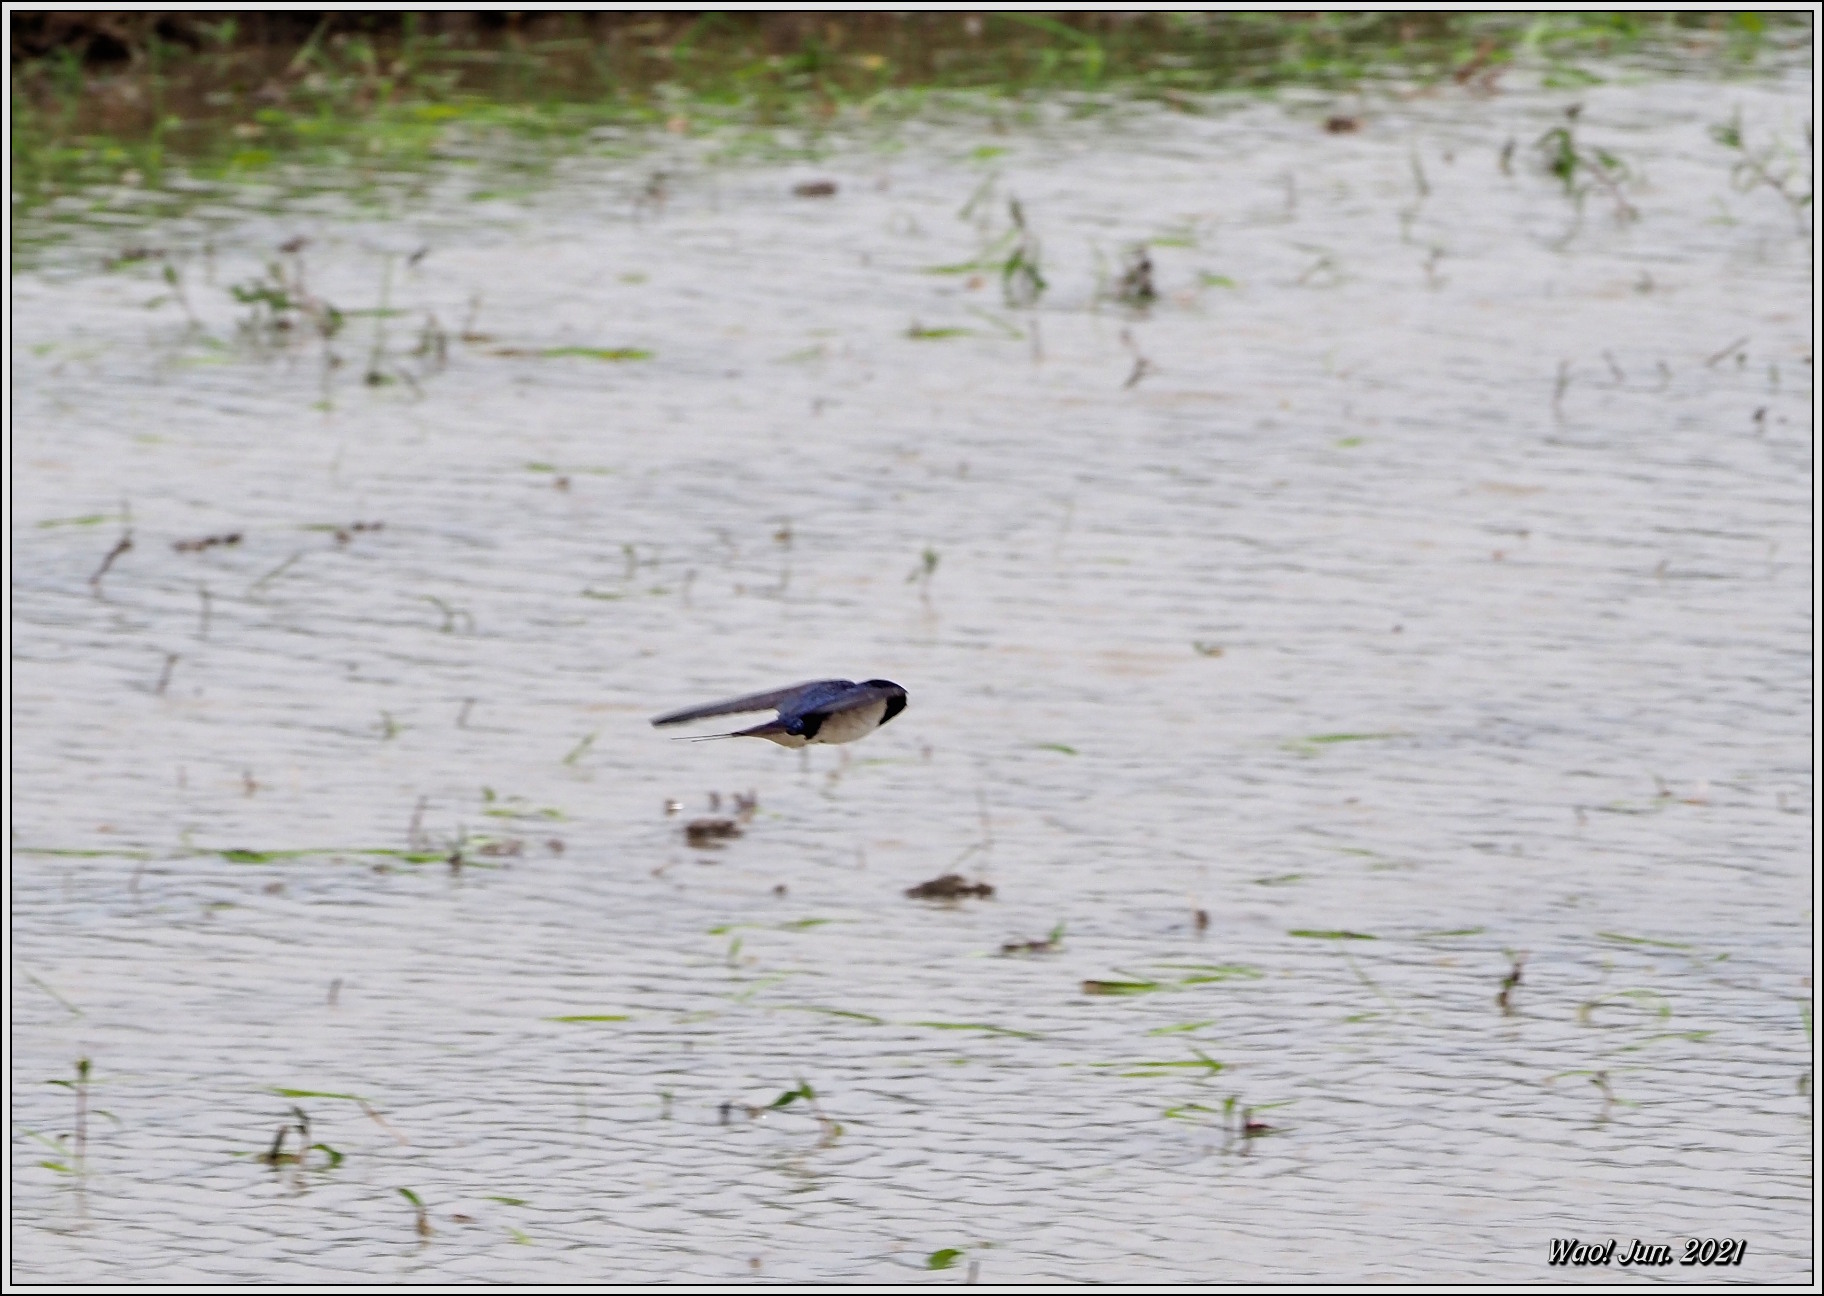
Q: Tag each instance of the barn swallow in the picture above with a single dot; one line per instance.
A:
(817, 711)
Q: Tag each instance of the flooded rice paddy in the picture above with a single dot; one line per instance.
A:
(1373, 676)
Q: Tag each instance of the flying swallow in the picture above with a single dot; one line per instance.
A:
(817, 711)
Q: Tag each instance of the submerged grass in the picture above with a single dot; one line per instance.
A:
(68, 853)
(1182, 1027)
(574, 352)
(985, 1027)
(238, 856)
(143, 98)
(1620, 939)
(1147, 1070)
(1200, 974)
(867, 1018)
(241, 855)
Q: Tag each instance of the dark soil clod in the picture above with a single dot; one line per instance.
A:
(709, 834)
(206, 542)
(951, 886)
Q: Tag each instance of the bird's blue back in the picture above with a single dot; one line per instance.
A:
(818, 695)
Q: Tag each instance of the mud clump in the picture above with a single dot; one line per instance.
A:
(206, 542)
(951, 886)
(709, 834)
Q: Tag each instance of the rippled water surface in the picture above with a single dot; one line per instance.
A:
(1420, 585)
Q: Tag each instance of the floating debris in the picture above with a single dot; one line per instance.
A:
(951, 886)
(206, 542)
(1251, 1128)
(423, 1225)
(1051, 943)
(1340, 125)
(1136, 285)
(136, 252)
(164, 676)
(709, 834)
(123, 545)
(1509, 982)
(1121, 987)
(815, 189)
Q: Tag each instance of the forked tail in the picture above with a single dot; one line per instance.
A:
(766, 730)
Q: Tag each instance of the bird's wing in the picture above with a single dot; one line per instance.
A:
(849, 699)
(774, 700)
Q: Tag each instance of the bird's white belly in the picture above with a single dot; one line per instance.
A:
(847, 726)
